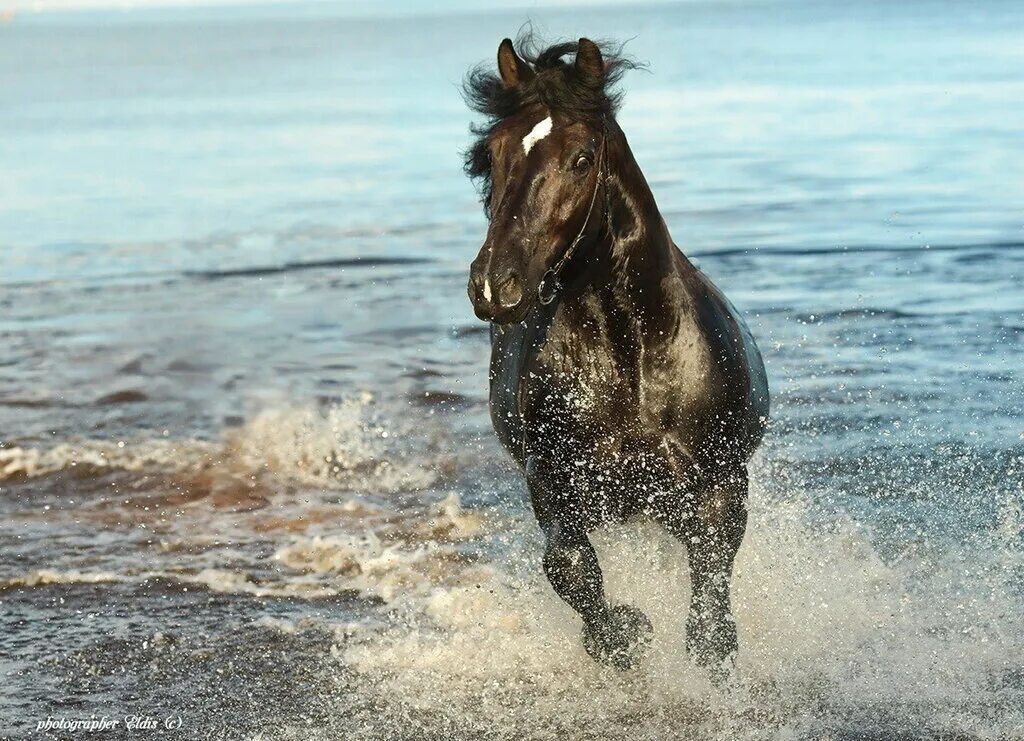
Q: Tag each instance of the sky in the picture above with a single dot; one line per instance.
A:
(356, 7)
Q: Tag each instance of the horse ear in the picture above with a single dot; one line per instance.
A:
(589, 62)
(514, 71)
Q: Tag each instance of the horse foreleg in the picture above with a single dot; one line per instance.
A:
(612, 635)
(713, 537)
(571, 565)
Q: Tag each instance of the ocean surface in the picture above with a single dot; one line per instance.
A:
(247, 477)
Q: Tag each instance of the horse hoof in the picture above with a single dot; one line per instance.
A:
(713, 646)
(622, 640)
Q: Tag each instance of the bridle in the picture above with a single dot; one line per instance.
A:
(549, 284)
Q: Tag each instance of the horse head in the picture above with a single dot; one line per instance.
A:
(543, 158)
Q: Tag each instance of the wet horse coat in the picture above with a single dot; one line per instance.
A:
(622, 381)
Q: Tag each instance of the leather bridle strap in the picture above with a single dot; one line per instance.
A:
(550, 284)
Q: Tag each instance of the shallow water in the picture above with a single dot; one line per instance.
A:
(246, 472)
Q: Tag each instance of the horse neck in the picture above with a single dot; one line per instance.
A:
(636, 246)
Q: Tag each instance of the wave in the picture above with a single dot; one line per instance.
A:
(392, 557)
(96, 457)
(811, 250)
(345, 445)
(401, 570)
(293, 267)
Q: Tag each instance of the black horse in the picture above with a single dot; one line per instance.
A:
(623, 382)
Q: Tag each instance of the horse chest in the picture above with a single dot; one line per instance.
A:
(550, 384)
(539, 383)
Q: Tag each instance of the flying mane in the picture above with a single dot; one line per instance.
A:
(556, 85)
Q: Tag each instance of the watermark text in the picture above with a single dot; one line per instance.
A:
(93, 723)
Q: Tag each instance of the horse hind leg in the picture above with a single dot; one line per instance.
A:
(617, 636)
(712, 535)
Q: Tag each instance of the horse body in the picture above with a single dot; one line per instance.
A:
(637, 390)
(687, 387)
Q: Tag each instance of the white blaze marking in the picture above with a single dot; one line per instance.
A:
(536, 134)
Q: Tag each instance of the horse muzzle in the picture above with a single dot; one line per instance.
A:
(501, 299)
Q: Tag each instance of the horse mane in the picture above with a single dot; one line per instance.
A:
(555, 85)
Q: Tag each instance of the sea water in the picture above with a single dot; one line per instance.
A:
(247, 477)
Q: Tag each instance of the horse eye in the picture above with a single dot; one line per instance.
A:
(582, 163)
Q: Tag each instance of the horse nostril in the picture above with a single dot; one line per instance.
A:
(510, 291)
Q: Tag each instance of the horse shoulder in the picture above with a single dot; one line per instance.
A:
(704, 375)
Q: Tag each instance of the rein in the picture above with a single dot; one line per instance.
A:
(549, 285)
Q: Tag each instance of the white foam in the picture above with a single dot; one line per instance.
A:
(345, 445)
(834, 640)
(47, 577)
(104, 455)
(418, 556)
